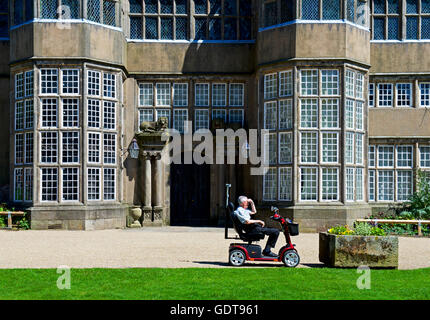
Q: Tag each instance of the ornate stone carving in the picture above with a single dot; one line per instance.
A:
(154, 126)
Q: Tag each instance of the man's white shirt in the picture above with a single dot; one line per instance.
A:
(243, 214)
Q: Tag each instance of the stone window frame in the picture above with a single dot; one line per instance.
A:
(76, 181)
(286, 14)
(268, 190)
(320, 96)
(84, 13)
(349, 148)
(410, 156)
(349, 189)
(424, 103)
(286, 83)
(204, 118)
(232, 116)
(109, 196)
(317, 181)
(76, 149)
(23, 127)
(371, 95)
(50, 182)
(143, 15)
(236, 95)
(403, 99)
(321, 149)
(395, 168)
(219, 100)
(222, 17)
(371, 185)
(182, 95)
(290, 139)
(289, 193)
(178, 115)
(420, 153)
(161, 110)
(359, 196)
(144, 117)
(270, 121)
(402, 17)
(217, 112)
(230, 112)
(321, 193)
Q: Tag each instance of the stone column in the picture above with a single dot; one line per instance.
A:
(157, 194)
(147, 188)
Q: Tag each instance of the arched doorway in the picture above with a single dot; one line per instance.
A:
(189, 194)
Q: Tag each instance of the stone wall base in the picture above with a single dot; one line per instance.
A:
(318, 218)
(79, 217)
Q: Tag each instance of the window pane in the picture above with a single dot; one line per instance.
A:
(215, 6)
(73, 7)
(331, 9)
(350, 10)
(393, 28)
(245, 29)
(215, 29)
(135, 6)
(230, 29)
(425, 6)
(181, 6)
(411, 28)
(200, 26)
(310, 10)
(393, 6)
(378, 29)
(109, 13)
(166, 6)
(411, 6)
(245, 7)
(378, 6)
(93, 10)
(270, 14)
(151, 6)
(48, 9)
(181, 28)
(166, 28)
(151, 29)
(136, 28)
(200, 6)
(230, 7)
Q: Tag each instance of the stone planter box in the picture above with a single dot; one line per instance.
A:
(354, 251)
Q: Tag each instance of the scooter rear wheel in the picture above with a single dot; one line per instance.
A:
(236, 258)
(291, 259)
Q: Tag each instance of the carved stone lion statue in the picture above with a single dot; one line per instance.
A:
(154, 126)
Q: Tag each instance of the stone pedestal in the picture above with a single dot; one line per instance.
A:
(153, 185)
(135, 214)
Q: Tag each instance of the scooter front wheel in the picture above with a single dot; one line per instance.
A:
(236, 258)
(291, 259)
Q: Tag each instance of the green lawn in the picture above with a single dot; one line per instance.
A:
(207, 284)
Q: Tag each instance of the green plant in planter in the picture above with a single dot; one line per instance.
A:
(360, 229)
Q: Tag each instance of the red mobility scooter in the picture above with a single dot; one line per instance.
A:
(241, 252)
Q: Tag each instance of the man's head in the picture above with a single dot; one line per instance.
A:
(243, 202)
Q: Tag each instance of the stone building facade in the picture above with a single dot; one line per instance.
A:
(341, 86)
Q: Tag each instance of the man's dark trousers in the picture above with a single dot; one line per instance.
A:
(271, 232)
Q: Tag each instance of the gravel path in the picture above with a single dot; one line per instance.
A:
(166, 247)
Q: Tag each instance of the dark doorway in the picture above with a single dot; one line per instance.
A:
(189, 194)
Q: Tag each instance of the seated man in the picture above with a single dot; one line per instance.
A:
(255, 226)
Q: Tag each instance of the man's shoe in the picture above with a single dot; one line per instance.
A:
(269, 254)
